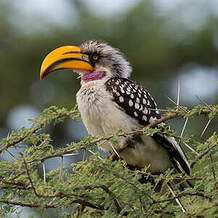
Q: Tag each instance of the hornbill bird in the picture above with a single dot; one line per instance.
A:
(108, 101)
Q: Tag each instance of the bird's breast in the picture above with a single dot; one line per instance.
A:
(100, 114)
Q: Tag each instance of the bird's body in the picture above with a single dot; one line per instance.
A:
(102, 116)
(108, 101)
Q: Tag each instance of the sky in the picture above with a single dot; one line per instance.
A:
(196, 83)
(32, 16)
(58, 12)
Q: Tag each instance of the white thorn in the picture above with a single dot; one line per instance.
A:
(177, 200)
(67, 155)
(202, 101)
(115, 150)
(183, 129)
(178, 94)
(176, 104)
(172, 100)
(52, 201)
(190, 148)
(205, 128)
(95, 153)
(8, 134)
(84, 155)
(154, 109)
(43, 167)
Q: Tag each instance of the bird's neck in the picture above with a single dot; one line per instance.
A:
(92, 76)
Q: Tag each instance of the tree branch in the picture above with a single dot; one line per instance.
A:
(29, 177)
(21, 138)
(24, 204)
(202, 155)
(200, 194)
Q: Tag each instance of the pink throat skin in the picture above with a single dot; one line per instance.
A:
(92, 76)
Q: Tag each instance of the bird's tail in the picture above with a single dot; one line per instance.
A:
(181, 185)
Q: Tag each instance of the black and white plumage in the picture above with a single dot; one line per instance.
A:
(134, 99)
(109, 101)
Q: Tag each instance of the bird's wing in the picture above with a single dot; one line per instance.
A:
(139, 104)
(175, 151)
(133, 99)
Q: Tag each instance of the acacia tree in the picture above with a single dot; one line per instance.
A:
(105, 187)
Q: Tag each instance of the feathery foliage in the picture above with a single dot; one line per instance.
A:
(97, 187)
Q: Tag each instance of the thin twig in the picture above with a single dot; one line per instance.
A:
(61, 167)
(178, 179)
(46, 139)
(29, 177)
(202, 155)
(116, 202)
(143, 206)
(14, 185)
(107, 190)
(183, 194)
(213, 171)
(88, 204)
(215, 205)
(34, 130)
(24, 204)
(35, 205)
(134, 186)
(202, 101)
(11, 155)
(17, 141)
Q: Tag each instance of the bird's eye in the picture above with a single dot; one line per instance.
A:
(95, 57)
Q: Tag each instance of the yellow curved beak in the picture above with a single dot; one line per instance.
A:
(65, 57)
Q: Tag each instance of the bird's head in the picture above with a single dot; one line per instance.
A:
(93, 60)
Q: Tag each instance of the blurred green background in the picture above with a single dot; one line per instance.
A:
(165, 41)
